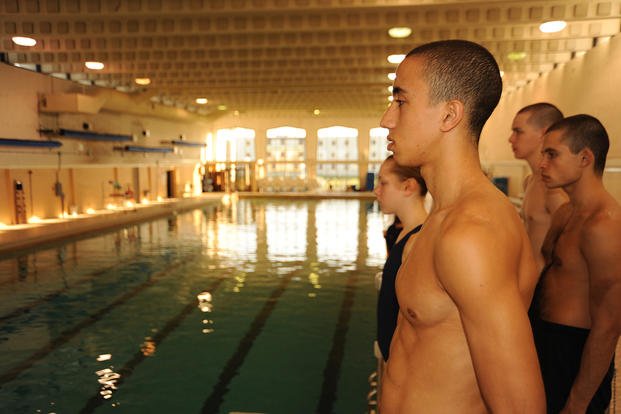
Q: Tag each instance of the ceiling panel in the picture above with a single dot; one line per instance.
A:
(284, 54)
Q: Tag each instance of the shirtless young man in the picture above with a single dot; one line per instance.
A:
(463, 342)
(540, 202)
(579, 313)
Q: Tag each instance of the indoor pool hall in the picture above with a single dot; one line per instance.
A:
(310, 206)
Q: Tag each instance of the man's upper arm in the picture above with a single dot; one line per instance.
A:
(601, 247)
(477, 265)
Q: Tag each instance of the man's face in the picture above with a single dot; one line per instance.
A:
(559, 166)
(412, 121)
(525, 138)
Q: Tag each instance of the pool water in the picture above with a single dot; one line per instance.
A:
(262, 306)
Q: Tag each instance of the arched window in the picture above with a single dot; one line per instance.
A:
(235, 144)
(337, 157)
(286, 152)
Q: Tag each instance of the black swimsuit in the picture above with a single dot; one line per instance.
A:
(387, 305)
(559, 348)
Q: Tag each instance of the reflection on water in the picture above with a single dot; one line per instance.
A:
(107, 379)
(148, 346)
(204, 302)
(303, 253)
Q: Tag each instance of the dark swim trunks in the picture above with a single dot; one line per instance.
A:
(387, 305)
(559, 348)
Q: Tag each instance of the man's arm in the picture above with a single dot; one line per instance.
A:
(477, 264)
(601, 247)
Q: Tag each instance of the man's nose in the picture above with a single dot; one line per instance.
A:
(388, 119)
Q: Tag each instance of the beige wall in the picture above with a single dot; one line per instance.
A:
(86, 168)
(586, 84)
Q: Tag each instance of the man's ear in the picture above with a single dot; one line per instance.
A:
(586, 157)
(453, 115)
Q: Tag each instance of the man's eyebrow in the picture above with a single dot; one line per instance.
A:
(397, 90)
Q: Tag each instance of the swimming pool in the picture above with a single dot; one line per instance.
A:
(261, 306)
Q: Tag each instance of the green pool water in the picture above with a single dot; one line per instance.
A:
(262, 306)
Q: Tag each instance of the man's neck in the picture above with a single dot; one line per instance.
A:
(586, 193)
(456, 168)
(534, 160)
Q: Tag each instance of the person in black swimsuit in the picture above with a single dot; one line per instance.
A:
(400, 191)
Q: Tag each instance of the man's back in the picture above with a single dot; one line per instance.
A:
(441, 314)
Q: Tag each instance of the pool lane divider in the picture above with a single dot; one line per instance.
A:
(128, 369)
(50, 296)
(332, 370)
(69, 334)
(230, 370)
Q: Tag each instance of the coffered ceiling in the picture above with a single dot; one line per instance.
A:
(278, 55)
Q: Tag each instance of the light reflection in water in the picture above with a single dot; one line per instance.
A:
(148, 346)
(286, 232)
(107, 379)
(204, 302)
(337, 230)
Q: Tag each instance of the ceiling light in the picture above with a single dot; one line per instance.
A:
(316, 111)
(390, 89)
(553, 26)
(221, 107)
(24, 41)
(391, 98)
(392, 76)
(94, 65)
(399, 32)
(201, 101)
(395, 58)
(514, 56)
(142, 81)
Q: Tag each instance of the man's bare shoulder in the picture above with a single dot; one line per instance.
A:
(600, 245)
(604, 225)
(483, 208)
(481, 218)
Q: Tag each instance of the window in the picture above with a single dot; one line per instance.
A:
(286, 152)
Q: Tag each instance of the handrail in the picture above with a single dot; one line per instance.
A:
(94, 136)
(137, 148)
(17, 142)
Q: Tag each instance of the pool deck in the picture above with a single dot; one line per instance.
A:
(23, 236)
